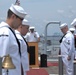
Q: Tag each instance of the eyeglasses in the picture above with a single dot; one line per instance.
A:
(19, 17)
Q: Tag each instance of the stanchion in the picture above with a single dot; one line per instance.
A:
(60, 65)
(0, 66)
(74, 67)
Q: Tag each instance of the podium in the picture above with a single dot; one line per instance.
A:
(33, 54)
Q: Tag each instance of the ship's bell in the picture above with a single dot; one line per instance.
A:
(7, 63)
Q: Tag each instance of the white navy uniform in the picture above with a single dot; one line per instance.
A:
(24, 53)
(32, 37)
(75, 44)
(67, 49)
(8, 45)
(74, 25)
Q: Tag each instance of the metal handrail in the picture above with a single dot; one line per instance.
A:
(52, 22)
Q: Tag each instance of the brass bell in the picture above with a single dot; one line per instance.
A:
(7, 63)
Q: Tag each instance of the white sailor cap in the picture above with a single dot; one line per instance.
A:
(18, 10)
(73, 22)
(63, 25)
(72, 29)
(25, 22)
(32, 27)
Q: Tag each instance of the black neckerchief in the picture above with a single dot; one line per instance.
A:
(16, 40)
(26, 44)
(62, 38)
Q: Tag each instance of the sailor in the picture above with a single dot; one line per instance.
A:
(74, 25)
(9, 43)
(72, 29)
(20, 32)
(67, 49)
(32, 35)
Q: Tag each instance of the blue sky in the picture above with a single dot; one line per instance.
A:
(40, 12)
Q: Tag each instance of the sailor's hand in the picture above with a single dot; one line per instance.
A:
(69, 58)
(35, 35)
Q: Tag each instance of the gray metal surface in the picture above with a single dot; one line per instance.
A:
(0, 66)
(74, 67)
(60, 65)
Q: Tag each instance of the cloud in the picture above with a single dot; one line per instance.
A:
(60, 11)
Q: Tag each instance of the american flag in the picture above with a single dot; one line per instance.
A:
(17, 2)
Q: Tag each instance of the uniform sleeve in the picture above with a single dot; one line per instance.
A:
(24, 56)
(69, 44)
(37, 35)
(4, 44)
